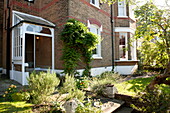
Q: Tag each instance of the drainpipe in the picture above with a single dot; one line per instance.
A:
(8, 48)
(112, 33)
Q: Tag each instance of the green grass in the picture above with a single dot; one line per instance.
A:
(131, 87)
(15, 107)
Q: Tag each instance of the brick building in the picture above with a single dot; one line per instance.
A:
(1, 30)
(35, 35)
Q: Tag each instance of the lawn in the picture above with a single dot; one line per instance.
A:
(15, 107)
(131, 87)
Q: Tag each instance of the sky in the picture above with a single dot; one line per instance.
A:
(159, 3)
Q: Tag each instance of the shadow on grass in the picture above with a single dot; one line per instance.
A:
(15, 107)
(139, 84)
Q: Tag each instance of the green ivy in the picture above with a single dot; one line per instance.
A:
(78, 45)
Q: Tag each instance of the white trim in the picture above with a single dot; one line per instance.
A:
(124, 29)
(23, 54)
(126, 70)
(122, 16)
(53, 52)
(15, 12)
(122, 6)
(97, 3)
(97, 57)
(98, 49)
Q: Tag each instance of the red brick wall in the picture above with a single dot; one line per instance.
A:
(83, 11)
(55, 11)
(59, 11)
(1, 29)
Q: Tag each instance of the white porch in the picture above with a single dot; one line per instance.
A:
(32, 45)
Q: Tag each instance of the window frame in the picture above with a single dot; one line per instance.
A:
(126, 45)
(96, 3)
(122, 7)
(98, 49)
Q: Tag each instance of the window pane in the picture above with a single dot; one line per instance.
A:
(94, 30)
(38, 29)
(121, 9)
(122, 45)
(93, 1)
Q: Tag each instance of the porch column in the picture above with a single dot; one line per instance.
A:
(53, 55)
(23, 53)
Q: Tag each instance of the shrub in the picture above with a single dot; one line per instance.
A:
(42, 85)
(99, 82)
(68, 85)
(78, 94)
(153, 101)
(88, 107)
(9, 92)
(82, 82)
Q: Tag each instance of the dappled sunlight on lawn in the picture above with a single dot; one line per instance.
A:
(18, 107)
(131, 87)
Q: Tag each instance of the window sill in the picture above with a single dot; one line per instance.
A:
(122, 16)
(95, 6)
(97, 57)
(126, 60)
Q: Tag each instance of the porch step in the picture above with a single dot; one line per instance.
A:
(110, 105)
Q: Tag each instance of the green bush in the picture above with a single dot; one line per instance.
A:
(69, 86)
(99, 82)
(42, 85)
(153, 101)
(78, 94)
(82, 82)
(88, 107)
(9, 92)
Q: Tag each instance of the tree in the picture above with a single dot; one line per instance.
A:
(153, 22)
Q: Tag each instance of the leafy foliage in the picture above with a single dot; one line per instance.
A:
(153, 101)
(42, 85)
(88, 107)
(106, 78)
(69, 87)
(153, 27)
(82, 82)
(9, 92)
(78, 42)
(152, 55)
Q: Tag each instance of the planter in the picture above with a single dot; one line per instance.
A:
(109, 91)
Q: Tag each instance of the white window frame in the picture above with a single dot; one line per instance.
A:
(98, 48)
(126, 45)
(96, 3)
(122, 5)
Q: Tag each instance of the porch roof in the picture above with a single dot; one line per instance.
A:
(34, 20)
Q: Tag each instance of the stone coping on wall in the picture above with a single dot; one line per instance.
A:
(126, 62)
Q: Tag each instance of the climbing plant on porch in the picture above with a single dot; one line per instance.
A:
(79, 43)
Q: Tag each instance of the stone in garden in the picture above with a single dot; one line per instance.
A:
(70, 106)
(110, 91)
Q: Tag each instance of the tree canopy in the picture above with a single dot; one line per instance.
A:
(154, 28)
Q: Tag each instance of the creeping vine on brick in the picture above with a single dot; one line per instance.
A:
(79, 43)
